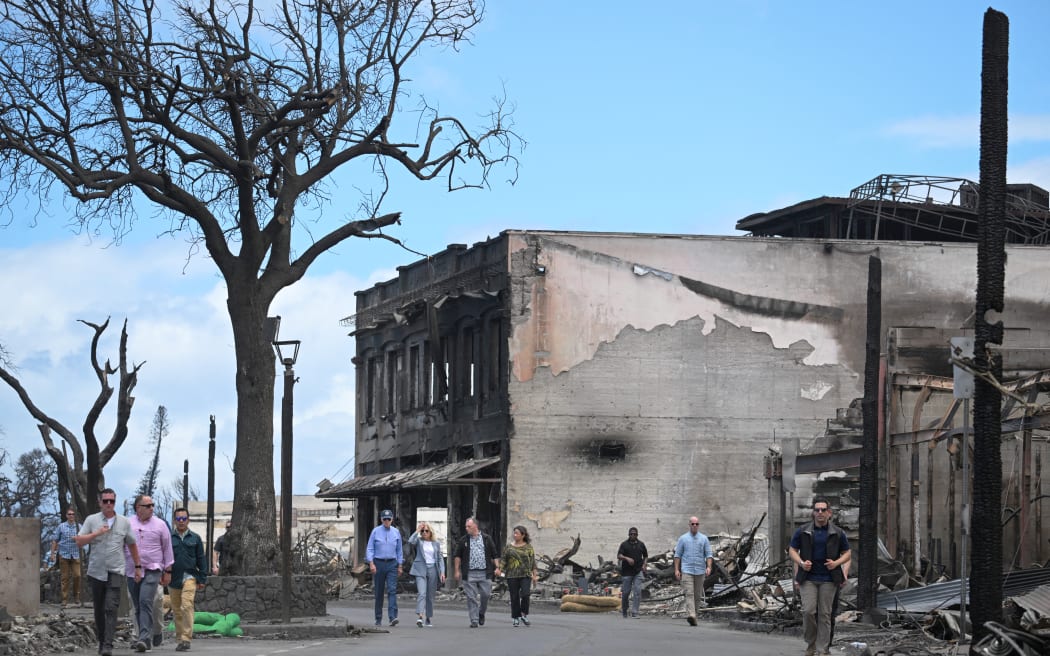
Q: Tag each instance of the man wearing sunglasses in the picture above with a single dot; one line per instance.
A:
(154, 546)
(385, 555)
(693, 559)
(108, 533)
(819, 549)
(188, 574)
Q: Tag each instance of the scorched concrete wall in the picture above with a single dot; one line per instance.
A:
(650, 374)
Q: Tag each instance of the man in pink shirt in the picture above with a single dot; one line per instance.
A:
(154, 543)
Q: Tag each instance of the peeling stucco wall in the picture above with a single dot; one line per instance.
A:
(650, 374)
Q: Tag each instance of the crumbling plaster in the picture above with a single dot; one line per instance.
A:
(611, 344)
(595, 284)
(692, 414)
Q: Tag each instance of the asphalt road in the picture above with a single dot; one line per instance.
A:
(551, 633)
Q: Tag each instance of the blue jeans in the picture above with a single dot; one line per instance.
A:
(142, 594)
(630, 593)
(385, 580)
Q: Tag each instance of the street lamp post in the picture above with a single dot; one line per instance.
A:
(287, 353)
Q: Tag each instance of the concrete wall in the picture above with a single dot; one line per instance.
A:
(650, 374)
(20, 565)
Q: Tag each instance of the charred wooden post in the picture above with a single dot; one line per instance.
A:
(987, 559)
(869, 459)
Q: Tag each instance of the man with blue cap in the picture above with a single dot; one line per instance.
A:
(385, 556)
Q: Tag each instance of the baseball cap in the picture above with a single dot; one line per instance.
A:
(386, 514)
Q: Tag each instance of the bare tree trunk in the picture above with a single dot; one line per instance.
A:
(252, 541)
(987, 538)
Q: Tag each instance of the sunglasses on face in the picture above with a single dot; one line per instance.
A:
(182, 519)
(822, 510)
(694, 523)
(109, 501)
(145, 505)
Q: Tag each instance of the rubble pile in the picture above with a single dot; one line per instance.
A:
(47, 633)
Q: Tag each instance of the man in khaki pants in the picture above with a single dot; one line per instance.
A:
(188, 574)
(692, 565)
(65, 549)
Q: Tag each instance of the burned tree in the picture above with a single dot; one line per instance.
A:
(227, 120)
(157, 432)
(81, 472)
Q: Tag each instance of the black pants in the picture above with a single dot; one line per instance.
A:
(105, 596)
(520, 590)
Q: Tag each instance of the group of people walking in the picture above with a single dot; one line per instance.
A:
(476, 563)
(819, 550)
(692, 565)
(141, 552)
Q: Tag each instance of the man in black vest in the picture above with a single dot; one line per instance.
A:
(819, 549)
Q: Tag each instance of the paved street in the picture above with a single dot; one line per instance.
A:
(551, 633)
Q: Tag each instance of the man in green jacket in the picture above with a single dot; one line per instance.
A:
(189, 573)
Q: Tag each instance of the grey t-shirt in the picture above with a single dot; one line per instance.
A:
(107, 551)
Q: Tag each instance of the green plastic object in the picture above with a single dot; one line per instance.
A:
(224, 625)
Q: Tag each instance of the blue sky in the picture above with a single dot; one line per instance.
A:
(681, 120)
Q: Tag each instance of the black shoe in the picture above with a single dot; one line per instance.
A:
(481, 620)
(691, 620)
(393, 622)
(140, 647)
(157, 639)
(473, 625)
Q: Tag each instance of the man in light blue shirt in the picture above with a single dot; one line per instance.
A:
(385, 555)
(692, 564)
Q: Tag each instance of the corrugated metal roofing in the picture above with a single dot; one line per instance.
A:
(1037, 600)
(451, 473)
(946, 593)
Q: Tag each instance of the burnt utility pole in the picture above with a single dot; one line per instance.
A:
(869, 458)
(986, 561)
(186, 484)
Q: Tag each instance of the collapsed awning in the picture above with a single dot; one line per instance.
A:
(446, 475)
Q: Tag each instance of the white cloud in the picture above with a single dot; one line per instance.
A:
(178, 325)
(1035, 171)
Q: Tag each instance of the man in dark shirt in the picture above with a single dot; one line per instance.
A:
(819, 549)
(632, 556)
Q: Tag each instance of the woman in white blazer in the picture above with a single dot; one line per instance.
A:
(428, 568)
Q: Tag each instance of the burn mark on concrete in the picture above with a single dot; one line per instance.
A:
(605, 450)
(764, 305)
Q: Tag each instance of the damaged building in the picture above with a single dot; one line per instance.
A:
(581, 383)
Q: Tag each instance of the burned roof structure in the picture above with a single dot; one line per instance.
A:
(907, 208)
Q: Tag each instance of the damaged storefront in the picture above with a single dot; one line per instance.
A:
(583, 383)
(432, 417)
